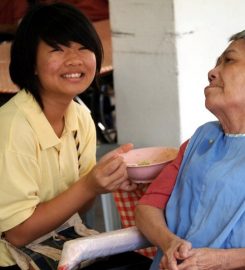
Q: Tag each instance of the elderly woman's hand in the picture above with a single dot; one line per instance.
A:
(176, 251)
(204, 259)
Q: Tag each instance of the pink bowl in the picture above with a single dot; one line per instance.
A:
(144, 164)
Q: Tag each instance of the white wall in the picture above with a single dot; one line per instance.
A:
(162, 51)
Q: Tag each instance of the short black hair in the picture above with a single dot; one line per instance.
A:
(57, 23)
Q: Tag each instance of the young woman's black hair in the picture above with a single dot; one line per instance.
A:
(55, 24)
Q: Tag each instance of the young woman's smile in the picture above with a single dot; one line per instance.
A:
(64, 70)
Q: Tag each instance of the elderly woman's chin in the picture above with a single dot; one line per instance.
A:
(213, 108)
(209, 104)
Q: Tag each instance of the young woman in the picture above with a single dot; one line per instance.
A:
(47, 141)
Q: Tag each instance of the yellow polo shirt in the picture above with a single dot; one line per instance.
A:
(36, 165)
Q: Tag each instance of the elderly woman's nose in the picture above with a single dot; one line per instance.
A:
(212, 74)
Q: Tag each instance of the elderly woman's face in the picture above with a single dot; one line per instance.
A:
(225, 94)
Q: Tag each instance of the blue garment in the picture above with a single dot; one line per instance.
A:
(207, 205)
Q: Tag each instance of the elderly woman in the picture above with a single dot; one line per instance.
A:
(203, 224)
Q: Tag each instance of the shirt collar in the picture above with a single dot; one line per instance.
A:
(39, 123)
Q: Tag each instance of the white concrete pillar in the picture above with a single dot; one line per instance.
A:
(145, 75)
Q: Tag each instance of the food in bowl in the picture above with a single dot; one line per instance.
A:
(144, 164)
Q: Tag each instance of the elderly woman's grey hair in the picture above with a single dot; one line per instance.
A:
(237, 36)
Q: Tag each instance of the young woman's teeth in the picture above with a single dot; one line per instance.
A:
(73, 75)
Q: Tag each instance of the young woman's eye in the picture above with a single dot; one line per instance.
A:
(56, 49)
(82, 48)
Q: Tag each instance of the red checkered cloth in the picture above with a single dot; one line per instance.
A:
(126, 202)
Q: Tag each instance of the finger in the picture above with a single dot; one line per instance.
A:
(163, 263)
(112, 165)
(184, 250)
(115, 185)
(114, 181)
(172, 263)
(121, 173)
(124, 148)
(185, 265)
(132, 187)
(128, 186)
(168, 261)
